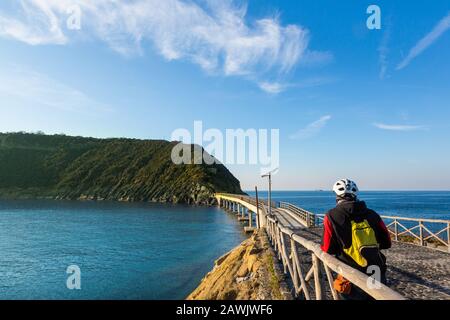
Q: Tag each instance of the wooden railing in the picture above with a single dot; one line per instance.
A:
(423, 232)
(247, 199)
(296, 253)
(312, 271)
(305, 215)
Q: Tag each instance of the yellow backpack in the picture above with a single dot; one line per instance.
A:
(363, 236)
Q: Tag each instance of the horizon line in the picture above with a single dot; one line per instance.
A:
(367, 190)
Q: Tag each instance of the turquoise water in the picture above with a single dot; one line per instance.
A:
(124, 251)
(420, 204)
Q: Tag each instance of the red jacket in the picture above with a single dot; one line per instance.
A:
(337, 233)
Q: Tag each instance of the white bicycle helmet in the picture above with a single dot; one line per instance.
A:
(345, 186)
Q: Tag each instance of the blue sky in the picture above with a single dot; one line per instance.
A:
(371, 105)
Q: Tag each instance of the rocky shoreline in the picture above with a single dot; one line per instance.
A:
(248, 272)
(202, 195)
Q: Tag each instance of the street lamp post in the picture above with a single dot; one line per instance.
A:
(269, 175)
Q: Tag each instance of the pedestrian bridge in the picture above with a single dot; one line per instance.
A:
(295, 235)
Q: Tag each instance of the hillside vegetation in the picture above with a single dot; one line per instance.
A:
(64, 167)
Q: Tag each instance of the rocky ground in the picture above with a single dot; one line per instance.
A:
(248, 272)
(418, 272)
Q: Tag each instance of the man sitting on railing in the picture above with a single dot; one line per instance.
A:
(355, 234)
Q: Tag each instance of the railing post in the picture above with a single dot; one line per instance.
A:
(296, 264)
(421, 232)
(448, 237)
(317, 282)
(395, 230)
(258, 222)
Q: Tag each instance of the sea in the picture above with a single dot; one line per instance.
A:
(115, 250)
(414, 204)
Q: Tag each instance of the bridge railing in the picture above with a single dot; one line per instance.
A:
(305, 215)
(251, 200)
(423, 232)
(242, 197)
(313, 271)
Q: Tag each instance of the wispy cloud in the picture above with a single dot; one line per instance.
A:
(442, 26)
(272, 87)
(212, 34)
(277, 87)
(33, 89)
(383, 51)
(398, 127)
(311, 129)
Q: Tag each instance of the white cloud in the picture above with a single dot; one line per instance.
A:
(33, 89)
(277, 87)
(212, 34)
(397, 127)
(383, 51)
(272, 87)
(442, 26)
(311, 129)
(38, 24)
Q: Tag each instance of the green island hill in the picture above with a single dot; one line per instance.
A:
(39, 166)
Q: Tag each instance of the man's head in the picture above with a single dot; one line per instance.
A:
(345, 189)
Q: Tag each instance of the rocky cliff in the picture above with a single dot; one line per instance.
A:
(64, 167)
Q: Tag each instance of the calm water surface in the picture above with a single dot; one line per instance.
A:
(124, 251)
(430, 204)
